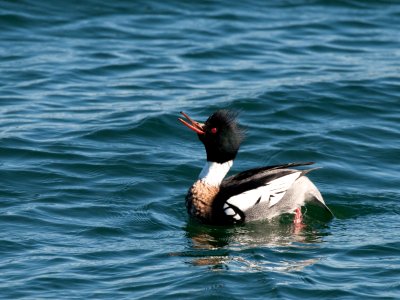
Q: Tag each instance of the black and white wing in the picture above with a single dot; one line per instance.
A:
(258, 187)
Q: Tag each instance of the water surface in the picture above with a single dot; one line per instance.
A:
(95, 166)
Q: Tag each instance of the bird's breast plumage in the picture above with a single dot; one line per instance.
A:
(199, 200)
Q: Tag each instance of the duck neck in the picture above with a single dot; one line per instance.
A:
(213, 173)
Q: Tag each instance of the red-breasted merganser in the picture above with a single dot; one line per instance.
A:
(256, 194)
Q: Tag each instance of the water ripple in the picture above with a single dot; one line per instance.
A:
(95, 165)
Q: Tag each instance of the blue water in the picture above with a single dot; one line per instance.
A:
(94, 165)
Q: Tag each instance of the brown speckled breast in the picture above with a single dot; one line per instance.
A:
(199, 200)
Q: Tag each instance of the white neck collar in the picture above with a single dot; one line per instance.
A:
(213, 173)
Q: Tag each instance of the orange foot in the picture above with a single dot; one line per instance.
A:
(298, 217)
(298, 221)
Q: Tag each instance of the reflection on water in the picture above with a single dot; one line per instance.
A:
(256, 246)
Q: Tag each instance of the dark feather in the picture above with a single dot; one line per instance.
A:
(252, 179)
(232, 187)
(249, 173)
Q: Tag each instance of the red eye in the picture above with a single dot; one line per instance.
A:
(214, 130)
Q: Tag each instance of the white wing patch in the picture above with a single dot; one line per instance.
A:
(230, 212)
(272, 193)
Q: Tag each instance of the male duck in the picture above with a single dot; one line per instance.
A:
(256, 194)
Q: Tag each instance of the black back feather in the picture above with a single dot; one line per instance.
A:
(252, 172)
(252, 179)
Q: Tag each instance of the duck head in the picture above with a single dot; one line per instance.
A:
(220, 134)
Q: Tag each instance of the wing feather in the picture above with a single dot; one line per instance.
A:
(272, 192)
(246, 175)
(247, 189)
